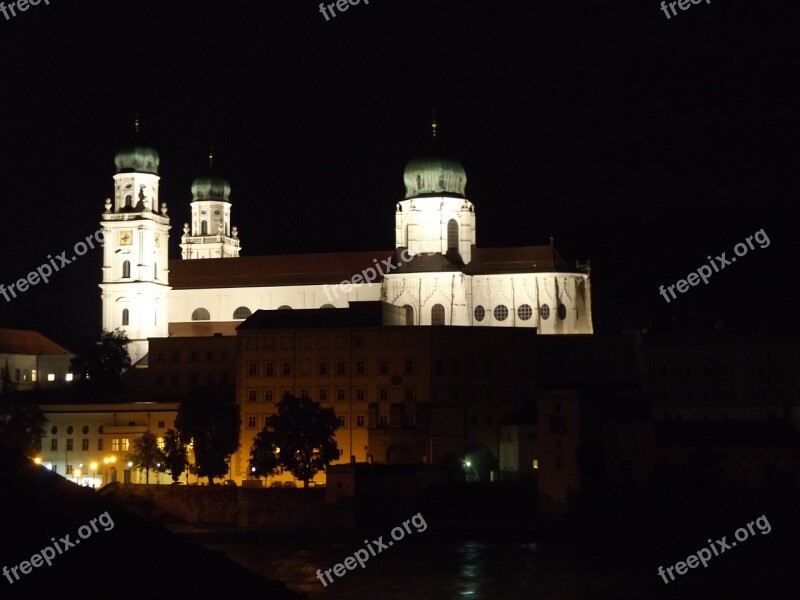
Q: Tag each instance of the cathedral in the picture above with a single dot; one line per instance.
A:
(436, 272)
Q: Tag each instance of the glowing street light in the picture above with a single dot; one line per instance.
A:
(38, 460)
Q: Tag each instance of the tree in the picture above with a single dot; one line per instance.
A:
(22, 427)
(264, 459)
(146, 454)
(174, 460)
(212, 424)
(302, 433)
(100, 365)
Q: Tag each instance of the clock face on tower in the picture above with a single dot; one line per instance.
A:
(125, 238)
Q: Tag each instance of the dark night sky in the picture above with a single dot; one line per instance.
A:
(642, 143)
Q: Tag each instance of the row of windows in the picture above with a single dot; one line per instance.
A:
(117, 444)
(272, 368)
(323, 395)
(240, 314)
(85, 428)
(251, 421)
(524, 312)
(32, 375)
(193, 381)
(194, 356)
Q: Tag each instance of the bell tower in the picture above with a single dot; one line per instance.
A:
(135, 277)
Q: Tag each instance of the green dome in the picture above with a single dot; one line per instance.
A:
(211, 188)
(434, 176)
(137, 160)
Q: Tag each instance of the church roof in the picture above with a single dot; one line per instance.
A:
(31, 343)
(332, 268)
(518, 259)
(288, 269)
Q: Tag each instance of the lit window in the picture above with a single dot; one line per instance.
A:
(525, 312)
(33, 374)
(535, 463)
(501, 312)
(160, 443)
(51, 377)
(69, 377)
(124, 444)
(115, 445)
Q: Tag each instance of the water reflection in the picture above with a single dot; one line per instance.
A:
(419, 567)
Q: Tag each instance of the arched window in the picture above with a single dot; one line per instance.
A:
(201, 314)
(437, 314)
(126, 268)
(452, 235)
(128, 201)
(204, 227)
(242, 313)
(409, 314)
(126, 317)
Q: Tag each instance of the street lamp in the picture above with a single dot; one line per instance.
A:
(78, 476)
(38, 460)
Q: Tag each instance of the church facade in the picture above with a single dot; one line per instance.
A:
(436, 272)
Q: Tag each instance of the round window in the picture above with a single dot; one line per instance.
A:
(70, 430)
(544, 312)
(501, 312)
(85, 429)
(480, 313)
(562, 312)
(525, 312)
(54, 430)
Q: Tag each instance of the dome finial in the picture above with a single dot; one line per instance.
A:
(136, 122)
(434, 124)
(211, 157)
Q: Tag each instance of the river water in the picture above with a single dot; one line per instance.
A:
(420, 566)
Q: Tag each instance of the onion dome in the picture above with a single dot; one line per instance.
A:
(434, 176)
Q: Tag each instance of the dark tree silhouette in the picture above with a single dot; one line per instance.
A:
(174, 460)
(99, 366)
(264, 459)
(21, 427)
(302, 432)
(146, 454)
(212, 424)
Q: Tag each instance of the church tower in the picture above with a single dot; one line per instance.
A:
(210, 234)
(435, 217)
(135, 282)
